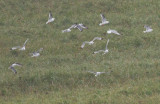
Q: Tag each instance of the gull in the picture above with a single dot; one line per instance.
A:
(113, 31)
(90, 42)
(104, 51)
(12, 67)
(96, 73)
(80, 26)
(37, 53)
(148, 29)
(104, 20)
(22, 48)
(99, 73)
(50, 18)
(69, 29)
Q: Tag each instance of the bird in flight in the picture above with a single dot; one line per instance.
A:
(69, 29)
(21, 48)
(90, 42)
(148, 29)
(50, 18)
(12, 67)
(96, 73)
(113, 31)
(80, 26)
(37, 53)
(104, 51)
(104, 20)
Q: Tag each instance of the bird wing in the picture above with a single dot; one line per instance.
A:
(102, 72)
(83, 26)
(73, 26)
(12, 68)
(98, 51)
(84, 43)
(115, 32)
(18, 64)
(79, 27)
(16, 47)
(50, 15)
(147, 27)
(103, 18)
(96, 38)
(25, 42)
(107, 44)
(66, 30)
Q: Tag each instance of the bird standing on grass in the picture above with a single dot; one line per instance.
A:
(50, 18)
(12, 67)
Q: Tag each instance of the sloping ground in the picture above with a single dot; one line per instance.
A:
(59, 75)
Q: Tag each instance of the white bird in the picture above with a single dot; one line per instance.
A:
(12, 67)
(69, 29)
(96, 73)
(113, 31)
(50, 18)
(22, 48)
(90, 42)
(104, 20)
(148, 29)
(104, 51)
(37, 53)
(80, 26)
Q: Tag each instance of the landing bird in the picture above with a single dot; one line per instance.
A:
(22, 48)
(113, 31)
(37, 53)
(148, 29)
(50, 18)
(69, 29)
(96, 73)
(104, 51)
(90, 42)
(80, 26)
(12, 67)
(104, 20)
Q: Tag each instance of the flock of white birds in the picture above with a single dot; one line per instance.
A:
(80, 27)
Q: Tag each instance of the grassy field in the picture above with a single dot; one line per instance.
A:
(59, 75)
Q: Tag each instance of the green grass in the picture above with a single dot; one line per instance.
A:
(59, 75)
